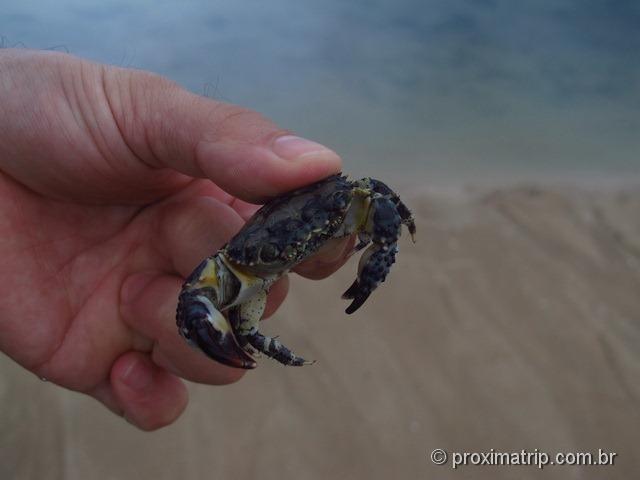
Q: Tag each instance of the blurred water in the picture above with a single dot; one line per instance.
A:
(431, 86)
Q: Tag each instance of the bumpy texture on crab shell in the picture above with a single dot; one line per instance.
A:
(292, 227)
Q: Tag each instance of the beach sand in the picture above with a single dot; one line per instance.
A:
(513, 323)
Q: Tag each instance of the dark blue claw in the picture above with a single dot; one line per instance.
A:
(374, 270)
(206, 328)
(378, 258)
(402, 209)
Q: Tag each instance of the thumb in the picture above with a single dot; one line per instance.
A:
(240, 150)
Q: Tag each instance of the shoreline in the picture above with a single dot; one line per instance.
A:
(472, 184)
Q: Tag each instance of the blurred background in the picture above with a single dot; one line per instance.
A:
(512, 130)
(439, 86)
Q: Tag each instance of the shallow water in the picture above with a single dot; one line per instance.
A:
(432, 86)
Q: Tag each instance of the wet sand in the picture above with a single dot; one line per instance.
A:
(513, 323)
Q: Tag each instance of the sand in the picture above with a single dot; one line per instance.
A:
(513, 323)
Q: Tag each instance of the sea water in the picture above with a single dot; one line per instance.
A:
(466, 88)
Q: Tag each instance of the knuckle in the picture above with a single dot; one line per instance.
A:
(243, 125)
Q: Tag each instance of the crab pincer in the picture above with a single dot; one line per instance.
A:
(205, 328)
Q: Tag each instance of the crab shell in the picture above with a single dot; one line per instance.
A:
(289, 229)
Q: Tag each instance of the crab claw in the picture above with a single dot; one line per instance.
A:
(374, 266)
(355, 293)
(204, 327)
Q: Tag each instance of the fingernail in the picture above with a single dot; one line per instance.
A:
(291, 147)
(138, 376)
(133, 286)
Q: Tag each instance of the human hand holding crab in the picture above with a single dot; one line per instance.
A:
(114, 184)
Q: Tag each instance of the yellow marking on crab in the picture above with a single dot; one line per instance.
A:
(209, 276)
(362, 213)
(245, 277)
(219, 322)
(250, 283)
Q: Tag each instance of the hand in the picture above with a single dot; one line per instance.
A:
(114, 184)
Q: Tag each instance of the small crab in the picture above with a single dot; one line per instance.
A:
(222, 301)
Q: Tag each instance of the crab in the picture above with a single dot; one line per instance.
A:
(222, 301)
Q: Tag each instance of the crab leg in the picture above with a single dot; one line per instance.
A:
(407, 219)
(276, 350)
(246, 319)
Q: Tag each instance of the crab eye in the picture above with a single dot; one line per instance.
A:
(340, 200)
(269, 252)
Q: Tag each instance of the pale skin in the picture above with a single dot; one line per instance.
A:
(114, 184)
